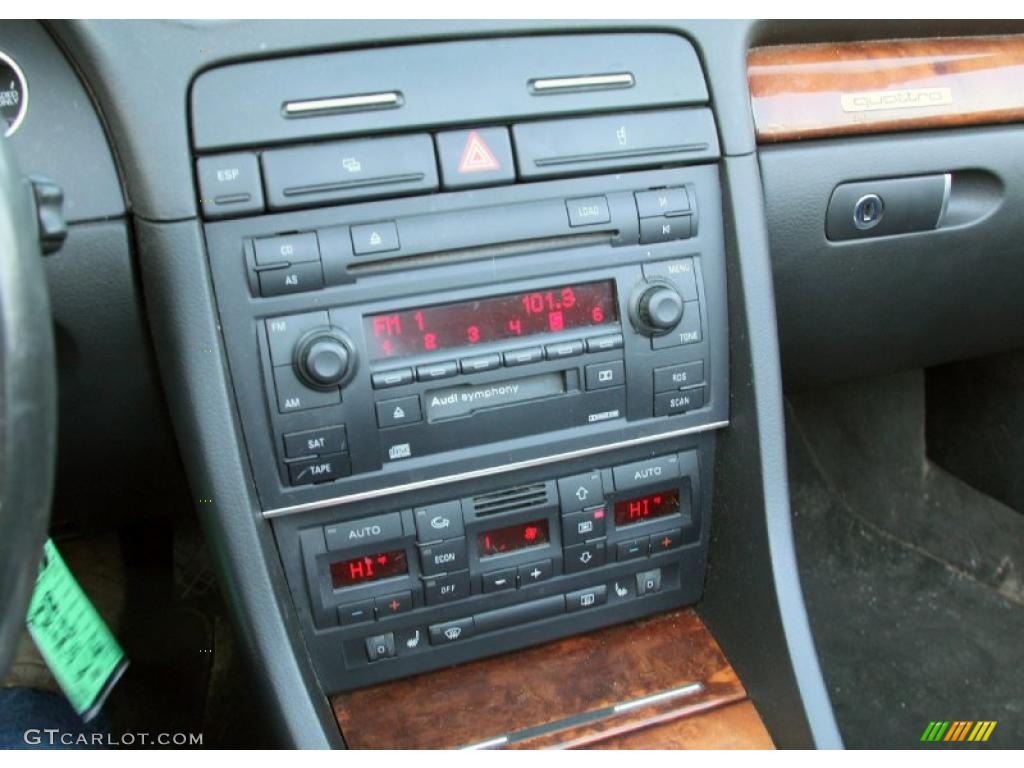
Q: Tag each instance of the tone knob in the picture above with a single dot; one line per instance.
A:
(324, 359)
(661, 308)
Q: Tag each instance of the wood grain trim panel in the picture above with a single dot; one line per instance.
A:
(557, 695)
(736, 726)
(823, 90)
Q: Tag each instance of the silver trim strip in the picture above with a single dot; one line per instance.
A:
(343, 104)
(23, 107)
(488, 471)
(555, 84)
(490, 743)
(947, 189)
(672, 693)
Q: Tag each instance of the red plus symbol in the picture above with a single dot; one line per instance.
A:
(394, 605)
(665, 542)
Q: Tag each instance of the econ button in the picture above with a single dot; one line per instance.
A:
(475, 158)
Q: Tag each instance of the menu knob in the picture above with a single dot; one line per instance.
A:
(324, 359)
(661, 308)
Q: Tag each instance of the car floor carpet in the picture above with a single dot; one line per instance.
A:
(912, 579)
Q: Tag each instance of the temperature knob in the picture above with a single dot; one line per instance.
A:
(660, 308)
(324, 359)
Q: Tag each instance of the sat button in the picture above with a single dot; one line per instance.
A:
(315, 442)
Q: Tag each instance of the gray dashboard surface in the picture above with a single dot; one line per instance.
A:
(127, 63)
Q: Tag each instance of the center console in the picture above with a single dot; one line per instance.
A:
(473, 298)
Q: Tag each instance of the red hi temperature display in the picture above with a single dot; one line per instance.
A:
(517, 315)
(360, 570)
(646, 507)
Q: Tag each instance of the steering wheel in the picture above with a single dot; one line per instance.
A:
(28, 403)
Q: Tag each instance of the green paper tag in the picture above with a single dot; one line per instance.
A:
(78, 647)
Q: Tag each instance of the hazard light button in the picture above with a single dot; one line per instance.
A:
(475, 158)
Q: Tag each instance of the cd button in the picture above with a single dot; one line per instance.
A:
(435, 371)
(480, 363)
(291, 249)
(396, 378)
(401, 410)
(524, 356)
(563, 349)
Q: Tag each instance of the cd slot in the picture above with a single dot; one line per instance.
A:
(498, 250)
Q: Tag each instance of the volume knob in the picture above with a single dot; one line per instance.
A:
(324, 359)
(661, 308)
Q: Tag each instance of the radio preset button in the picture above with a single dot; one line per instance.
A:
(443, 556)
(563, 349)
(369, 530)
(396, 378)
(581, 526)
(451, 631)
(675, 377)
(435, 371)
(439, 521)
(447, 588)
(322, 469)
(523, 356)
(604, 375)
(580, 491)
(290, 249)
(307, 276)
(380, 646)
(604, 343)
(672, 403)
(532, 573)
(294, 395)
(375, 238)
(584, 557)
(401, 410)
(641, 473)
(284, 332)
(588, 210)
(355, 613)
(582, 599)
(498, 581)
(688, 331)
(480, 363)
(392, 605)
(632, 549)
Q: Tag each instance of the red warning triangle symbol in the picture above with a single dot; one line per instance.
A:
(477, 156)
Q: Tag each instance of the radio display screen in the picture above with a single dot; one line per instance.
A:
(648, 507)
(514, 316)
(512, 538)
(361, 570)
